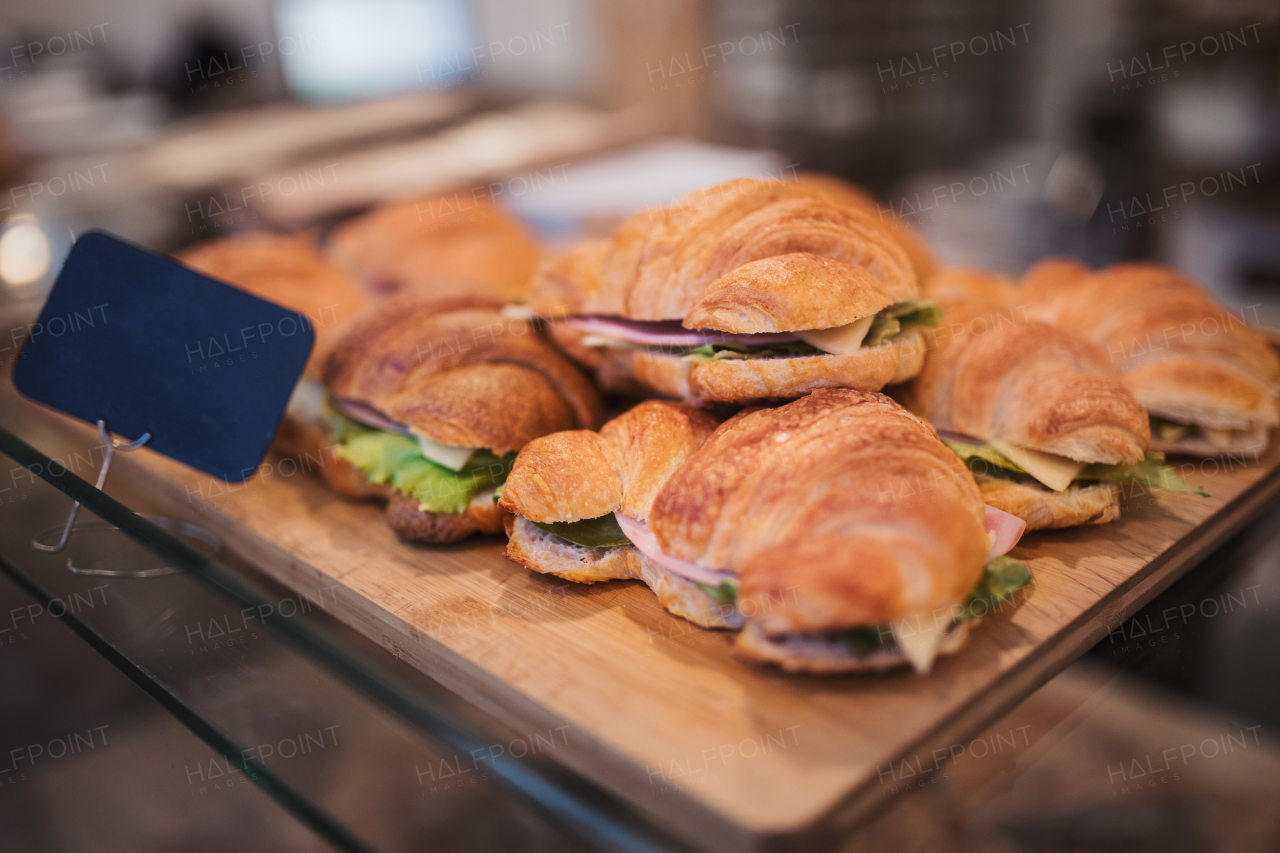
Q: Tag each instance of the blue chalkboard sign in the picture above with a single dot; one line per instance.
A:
(149, 345)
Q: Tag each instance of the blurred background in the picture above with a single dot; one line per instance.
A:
(1005, 129)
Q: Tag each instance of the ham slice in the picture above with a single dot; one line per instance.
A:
(667, 333)
(1003, 531)
(369, 416)
(642, 537)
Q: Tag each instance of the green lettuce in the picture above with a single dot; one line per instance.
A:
(1170, 431)
(900, 317)
(887, 323)
(725, 593)
(1151, 471)
(864, 641)
(1001, 578)
(602, 532)
(387, 457)
(721, 350)
(979, 456)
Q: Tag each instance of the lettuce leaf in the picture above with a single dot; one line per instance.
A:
(887, 323)
(731, 349)
(1001, 578)
(1169, 431)
(725, 593)
(864, 641)
(984, 454)
(387, 457)
(377, 453)
(900, 317)
(1149, 472)
(601, 532)
(437, 489)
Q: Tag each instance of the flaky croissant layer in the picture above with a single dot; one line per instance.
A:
(1184, 356)
(837, 510)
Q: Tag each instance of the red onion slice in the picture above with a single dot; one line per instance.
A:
(668, 333)
(369, 416)
(959, 437)
(642, 537)
(1008, 530)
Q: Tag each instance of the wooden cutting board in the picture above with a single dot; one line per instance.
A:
(727, 755)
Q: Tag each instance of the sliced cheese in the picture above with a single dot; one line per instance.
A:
(1054, 471)
(842, 340)
(453, 458)
(919, 637)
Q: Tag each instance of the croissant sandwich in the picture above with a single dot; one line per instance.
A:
(290, 271)
(439, 246)
(748, 290)
(1208, 381)
(836, 531)
(426, 403)
(1038, 413)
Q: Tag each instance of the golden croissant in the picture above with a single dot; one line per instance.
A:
(836, 531)
(427, 401)
(748, 290)
(1034, 409)
(437, 246)
(1207, 379)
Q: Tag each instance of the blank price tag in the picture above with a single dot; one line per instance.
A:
(148, 345)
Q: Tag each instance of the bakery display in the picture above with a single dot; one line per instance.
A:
(437, 246)
(779, 497)
(753, 524)
(744, 291)
(1208, 381)
(1037, 412)
(288, 270)
(426, 402)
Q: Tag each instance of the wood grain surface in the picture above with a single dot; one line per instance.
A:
(727, 755)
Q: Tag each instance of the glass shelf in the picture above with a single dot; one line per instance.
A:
(279, 695)
(215, 706)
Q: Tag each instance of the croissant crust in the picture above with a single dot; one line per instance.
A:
(459, 372)
(1183, 355)
(784, 497)
(669, 264)
(991, 373)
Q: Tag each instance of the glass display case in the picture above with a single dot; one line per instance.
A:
(169, 691)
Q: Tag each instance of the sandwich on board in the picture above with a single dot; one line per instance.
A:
(748, 290)
(836, 531)
(1208, 381)
(427, 402)
(1037, 412)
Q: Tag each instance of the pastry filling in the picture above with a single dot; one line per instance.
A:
(602, 532)
(441, 478)
(1057, 473)
(915, 637)
(1172, 432)
(670, 338)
